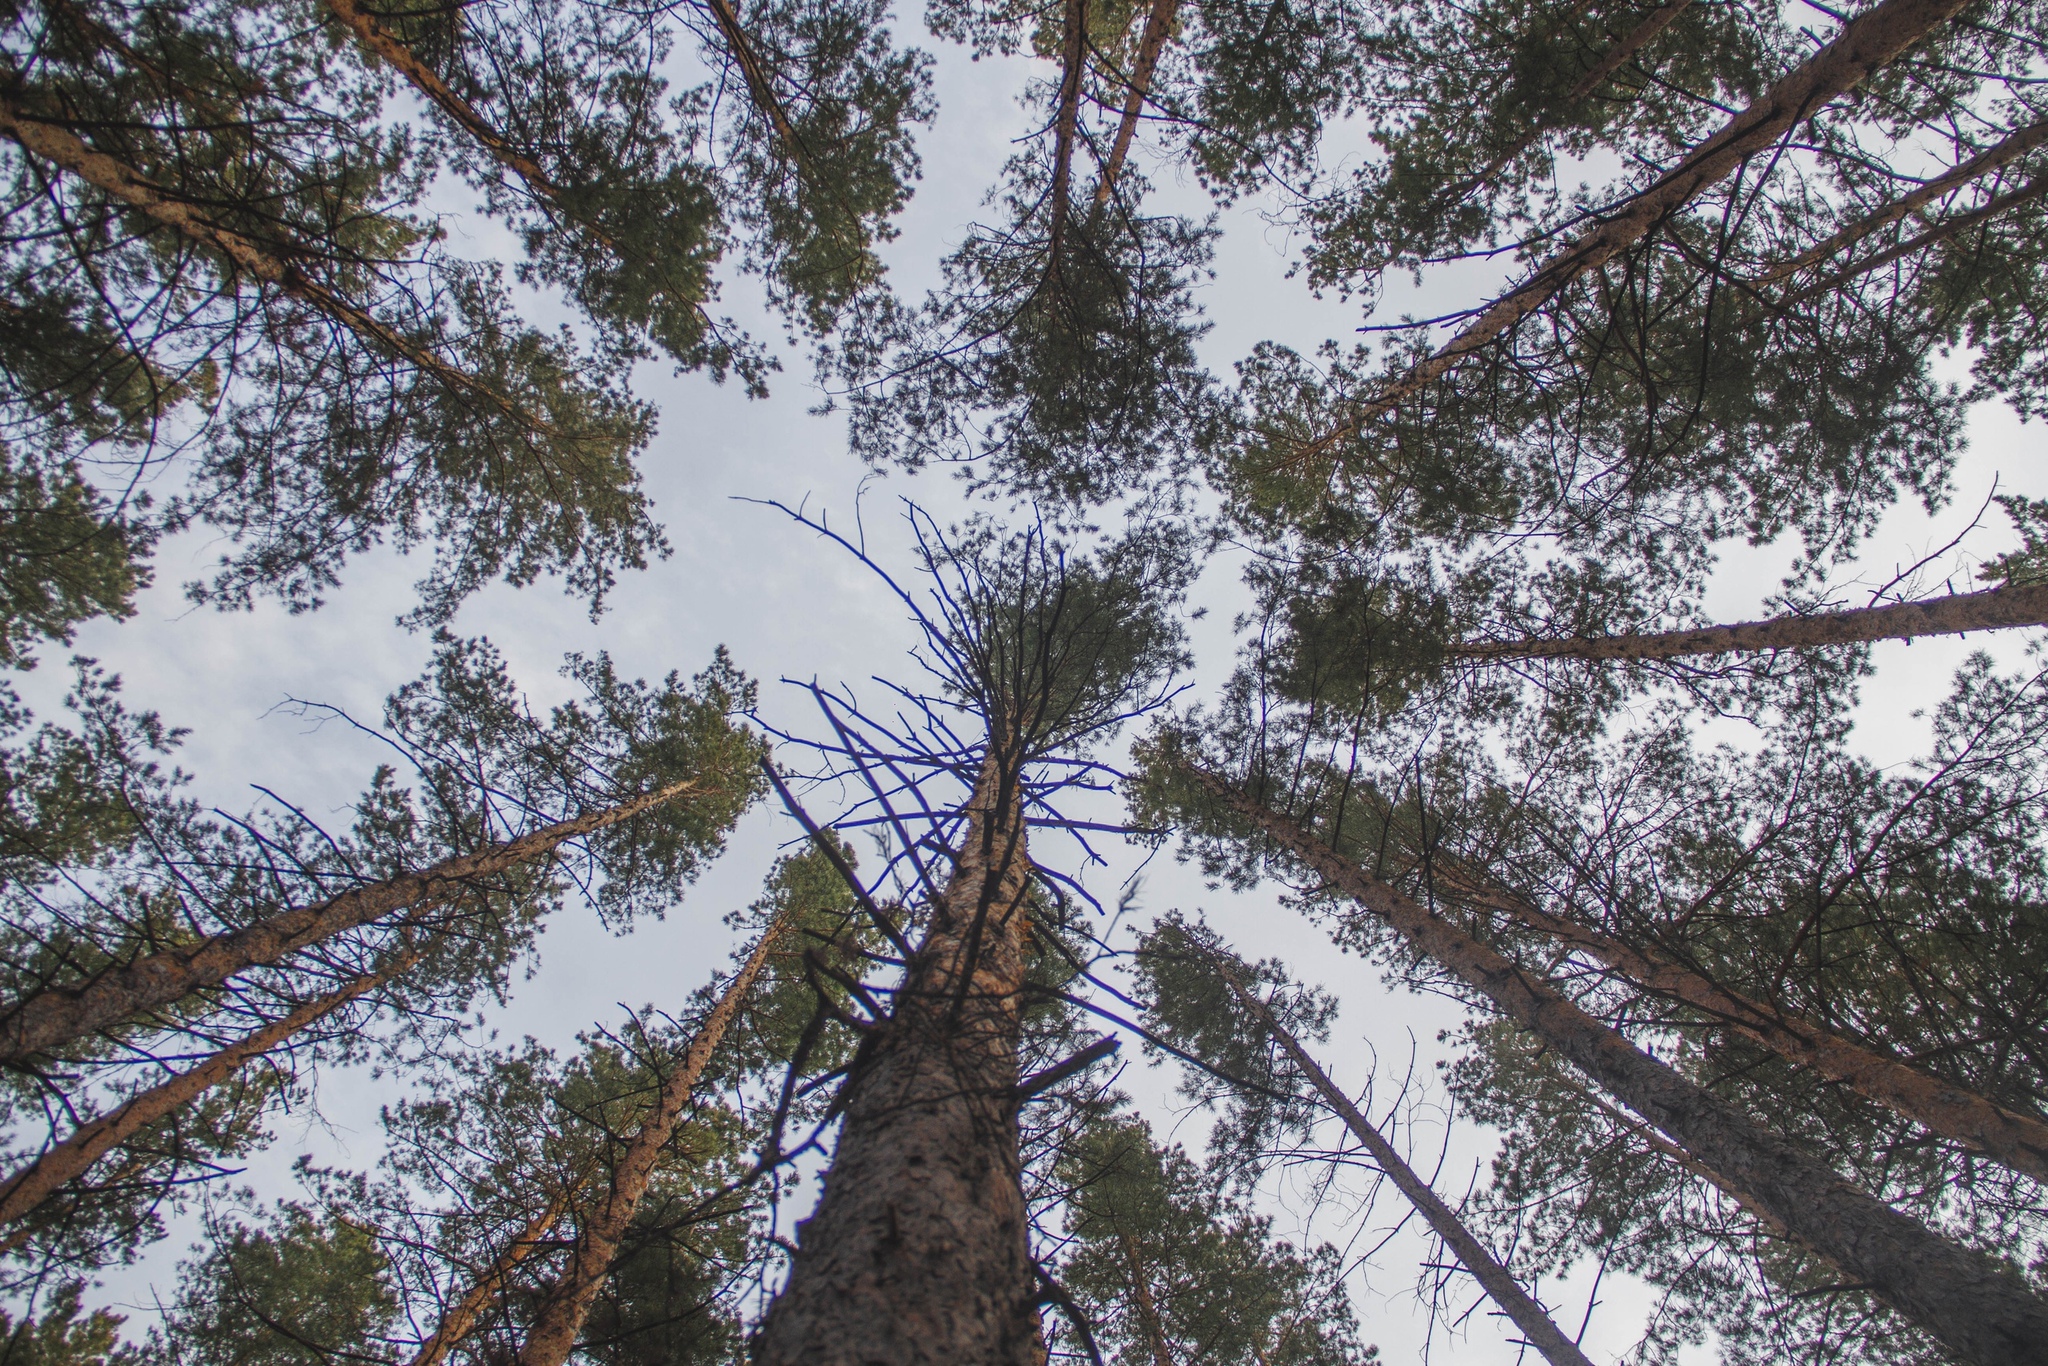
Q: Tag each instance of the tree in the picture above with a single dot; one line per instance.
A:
(918, 1250)
(1177, 957)
(1173, 1272)
(1759, 1024)
(218, 235)
(168, 992)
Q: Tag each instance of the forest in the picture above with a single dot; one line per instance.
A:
(1137, 682)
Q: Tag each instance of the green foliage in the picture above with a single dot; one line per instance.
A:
(1167, 1269)
(1062, 367)
(61, 1337)
(826, 940)
(69, 558)
(300, 1287)
(1055, 648)
(1267, 1104)
(2028, 564)
(329, 376)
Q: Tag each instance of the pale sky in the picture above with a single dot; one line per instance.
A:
(787, 604)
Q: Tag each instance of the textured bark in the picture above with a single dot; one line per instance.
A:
(462, 1315)
(759, 87)
(1866, 43)
(2017, 1140)
(2000, 154)
(1978, 1308)
(71, 1158)
(272, 264)
(1941, 231)
(1066, 119)
(58, 1015)
(1528, 1316)
(553, 1334)
(1158, 28)
(1614, 58)
(1148, 1308)
(428, 82)
(1994, 609)
(918, 1254)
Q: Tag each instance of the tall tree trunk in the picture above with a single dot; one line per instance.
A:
(1141, 1294)
(1978, 1123)
(70, 1159)
(1994, 609)
(1536, 1325)
(1979, 1309)
(918, 1251)
(275, 264)
(553, 1334)
(1158, 28)
(2007, 150)
(1066, 121)
(1867, 43)
(462, 1315)
(57, 1015)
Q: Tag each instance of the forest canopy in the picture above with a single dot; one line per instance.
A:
(1230, 682)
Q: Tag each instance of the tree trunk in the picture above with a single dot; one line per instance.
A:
(918, 1251)
(1994, 609)
(71, 1158)
(553, 1334)
(274, 264)
(1870, 41)
(1527, 1315)
(1158, 28)
(58, 1015)
(1978, 1308)
(2017, 1140)
(2002, 153)
(463, 1314)
(1141, 1294)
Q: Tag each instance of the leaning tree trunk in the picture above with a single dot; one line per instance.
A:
(918, 1251)
(461, 1316)
(1994, 609)
(1957, 1113)
(57, 1015)
(555, 1328)
(1536, 1324)
(1978, 1308)
(65, 1161)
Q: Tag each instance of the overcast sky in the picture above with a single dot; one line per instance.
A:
(789, 605)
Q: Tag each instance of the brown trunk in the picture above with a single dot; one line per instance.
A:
(756, 76)
(1991, 159)
(463, 1314)
(1527, 1315)
(918, 1251)
(68, 1160)
(1940, 231)
(1065, 119)
(553, 1334)
(61, 148)
(1141, 1292)
(1982, 1311)
(1866, 43)
(1955, 1112)
(1616, 56)
(58, 1015)
(1994, 609)
(425, 80)
(1158, 28)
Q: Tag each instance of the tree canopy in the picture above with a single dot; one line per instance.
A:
(1520, 646)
